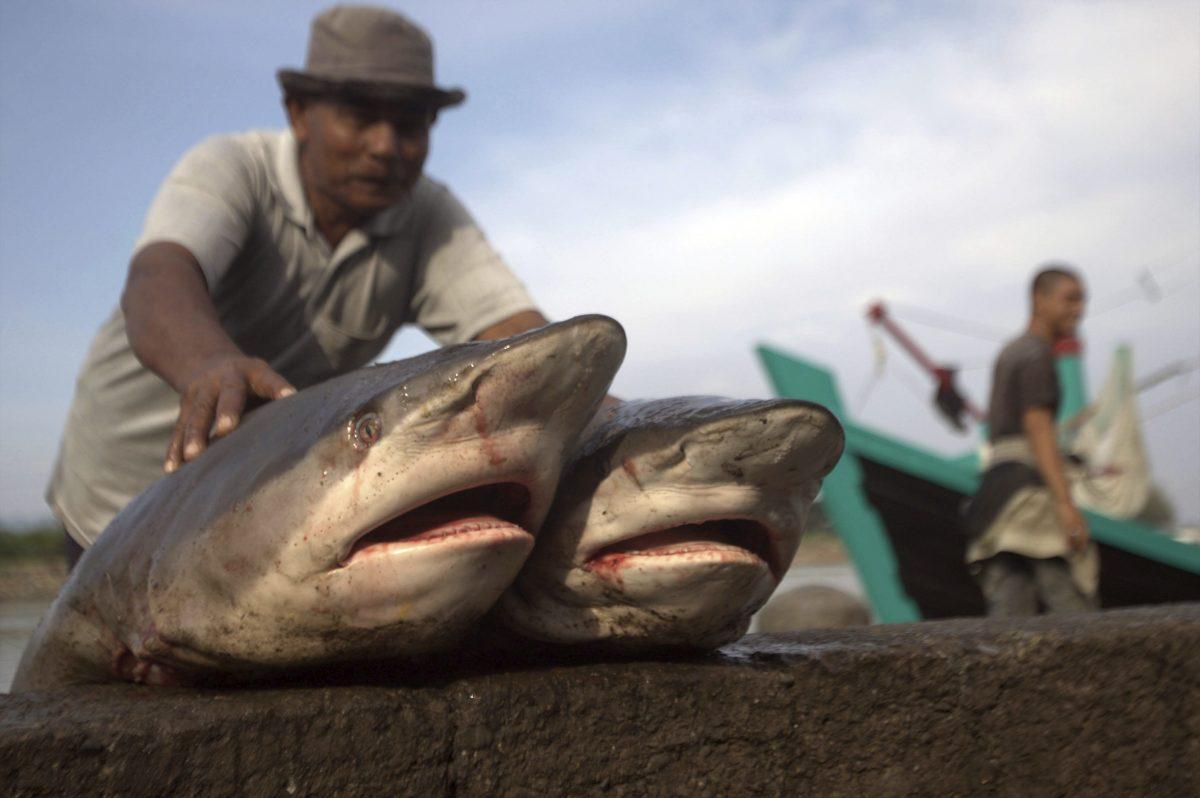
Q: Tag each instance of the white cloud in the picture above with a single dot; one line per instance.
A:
(938, 164)
(761, 174)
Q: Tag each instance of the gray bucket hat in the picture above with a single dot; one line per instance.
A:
(370, 53)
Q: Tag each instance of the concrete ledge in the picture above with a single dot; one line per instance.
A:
(1104, 704)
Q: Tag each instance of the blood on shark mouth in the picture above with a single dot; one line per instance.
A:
(497, 506)
(742, 533)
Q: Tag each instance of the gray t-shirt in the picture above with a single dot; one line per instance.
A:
(1024, 378)
(237, 204)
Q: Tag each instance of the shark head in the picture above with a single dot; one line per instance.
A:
(674, 523)
(378, 514)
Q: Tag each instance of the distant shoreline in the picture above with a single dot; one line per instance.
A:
(821, 547)
(31, 579)
(39, 578)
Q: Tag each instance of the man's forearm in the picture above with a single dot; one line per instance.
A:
(169, 316)
(174, 331)
(1040, 431)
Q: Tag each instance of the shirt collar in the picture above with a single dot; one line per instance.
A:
(387, 222)
(287, 172)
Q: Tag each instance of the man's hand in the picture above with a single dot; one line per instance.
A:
(1073, 523)
(174, 331)
(1039, 429)
(218, 391)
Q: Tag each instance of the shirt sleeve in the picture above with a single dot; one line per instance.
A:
(463, 285)
(205, 205)
(1036, 382)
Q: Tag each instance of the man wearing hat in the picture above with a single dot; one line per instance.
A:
(271, 261)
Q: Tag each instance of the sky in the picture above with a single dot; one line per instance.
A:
(713, 175)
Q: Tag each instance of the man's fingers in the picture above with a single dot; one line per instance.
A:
(199, 422)
(269, 384)
(174, 457)
(230, 403)
(219, 395)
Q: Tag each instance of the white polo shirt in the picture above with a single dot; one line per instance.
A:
(237, 204)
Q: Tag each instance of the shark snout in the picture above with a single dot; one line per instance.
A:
(742, 477)
(550, 380)
(557, 369)
(502, 418)
(782, 442)
(678, 519)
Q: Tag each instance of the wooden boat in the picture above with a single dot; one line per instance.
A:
(896, 508)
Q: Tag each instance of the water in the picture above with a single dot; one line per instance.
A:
(18, 619)
(842, 576)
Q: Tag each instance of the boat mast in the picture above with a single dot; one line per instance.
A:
(949, 399)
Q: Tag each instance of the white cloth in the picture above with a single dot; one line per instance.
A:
(1117, 479)
(1028, 525)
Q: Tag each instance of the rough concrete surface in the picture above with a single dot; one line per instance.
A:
(1105, 704)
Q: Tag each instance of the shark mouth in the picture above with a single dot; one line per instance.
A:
(499, 509)
(707, 536)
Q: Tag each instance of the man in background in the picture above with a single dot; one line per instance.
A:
(273, 260)
(1029, 542)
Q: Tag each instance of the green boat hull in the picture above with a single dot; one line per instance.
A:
(896, 508)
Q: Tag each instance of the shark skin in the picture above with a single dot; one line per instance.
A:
(674, 522)
(377, 515)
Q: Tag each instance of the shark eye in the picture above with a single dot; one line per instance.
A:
(365, 429)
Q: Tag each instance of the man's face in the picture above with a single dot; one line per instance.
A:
(1061, 305)
(361, 156)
